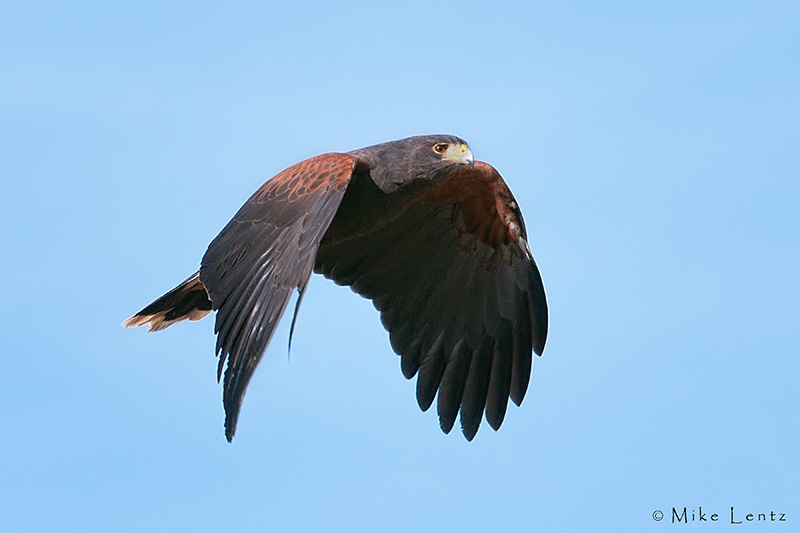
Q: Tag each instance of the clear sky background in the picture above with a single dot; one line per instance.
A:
(653, 148)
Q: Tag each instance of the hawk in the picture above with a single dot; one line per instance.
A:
(434, 238)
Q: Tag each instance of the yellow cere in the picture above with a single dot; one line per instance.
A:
(463, 148)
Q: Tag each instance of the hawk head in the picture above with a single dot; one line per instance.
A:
(432, 158)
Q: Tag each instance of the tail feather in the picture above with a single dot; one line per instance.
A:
(187, 301)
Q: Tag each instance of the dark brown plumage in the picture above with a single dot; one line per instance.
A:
(434, 239)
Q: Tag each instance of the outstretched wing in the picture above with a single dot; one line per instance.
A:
(458, 291)
(265, 252)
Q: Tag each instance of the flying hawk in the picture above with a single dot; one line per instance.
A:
(435, 239)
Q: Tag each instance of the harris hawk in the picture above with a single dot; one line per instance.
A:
(435, 239)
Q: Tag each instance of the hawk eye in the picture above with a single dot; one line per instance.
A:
(440, 148)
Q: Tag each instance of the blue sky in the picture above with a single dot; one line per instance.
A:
(653, 149)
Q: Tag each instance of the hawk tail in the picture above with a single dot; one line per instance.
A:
(189, 300)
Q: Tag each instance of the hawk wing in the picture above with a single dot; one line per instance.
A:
(457, 289)
(265, 252)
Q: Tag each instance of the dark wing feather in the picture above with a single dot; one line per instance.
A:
(265, 252)
(457, 288)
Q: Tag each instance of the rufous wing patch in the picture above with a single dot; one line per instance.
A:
(307, 177)
(485, 202)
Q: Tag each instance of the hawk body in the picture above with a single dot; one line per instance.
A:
(434, 239)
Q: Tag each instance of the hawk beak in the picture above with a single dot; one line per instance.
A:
(460, 154)
(468, 159)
